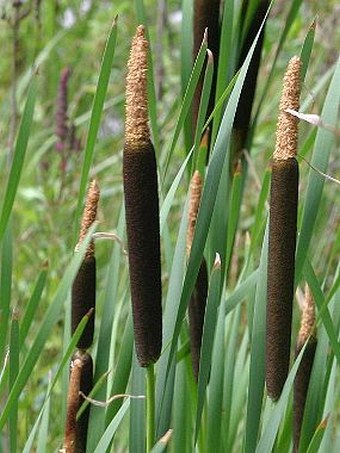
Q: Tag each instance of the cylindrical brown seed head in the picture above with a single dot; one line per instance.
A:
(245, 104)
(84, 285)
(206, 15)
(86, 385)
(195, 198)
(287, 126)
(301, 384)
(197, 305)
(282, 236)
(307, 332)
(72, 408)
(142, 210)
(281, 267)
(83, 299)
(198, 298)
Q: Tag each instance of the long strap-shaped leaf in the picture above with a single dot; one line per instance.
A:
(277, 410)
(210, 319)
(61, 367)
(323, 311)
(219, 159)
(6, 270)
(18, 158)
(97, 415)
(257, 358)
(48, 322)
(186, 103)
(105, 441)
(293, 11)
(98, 104)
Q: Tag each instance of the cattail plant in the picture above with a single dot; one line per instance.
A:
(282, 235)
(142, 210)
(307, 334)
(142, 224)
(81, 383)
(83, 302)
(206, 15)
(198, 298)
(245, 104)
(70, 438)
(84, 285)
(85, 387)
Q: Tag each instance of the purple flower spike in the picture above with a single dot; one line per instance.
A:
(61, 130)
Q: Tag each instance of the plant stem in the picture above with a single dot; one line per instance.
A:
(150, 407)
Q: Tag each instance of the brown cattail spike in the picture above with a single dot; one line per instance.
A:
(206, 16)
(142, 210)
(136, 125)
(72, 408)
(86, 385)
(307, 332)
(282, 237)
(195, 198)
(198, 298)
(197, 305)
(244, 107)
(83, 300)
(287, 126)
(84, 285)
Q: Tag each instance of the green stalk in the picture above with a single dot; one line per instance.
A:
(13, 372)
(150, 407)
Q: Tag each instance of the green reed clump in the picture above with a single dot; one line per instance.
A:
(282, 235)
(307, 334)
(142, 209)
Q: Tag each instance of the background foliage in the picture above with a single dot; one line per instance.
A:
(39, 230)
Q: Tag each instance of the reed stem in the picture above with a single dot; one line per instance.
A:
(150, 407)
